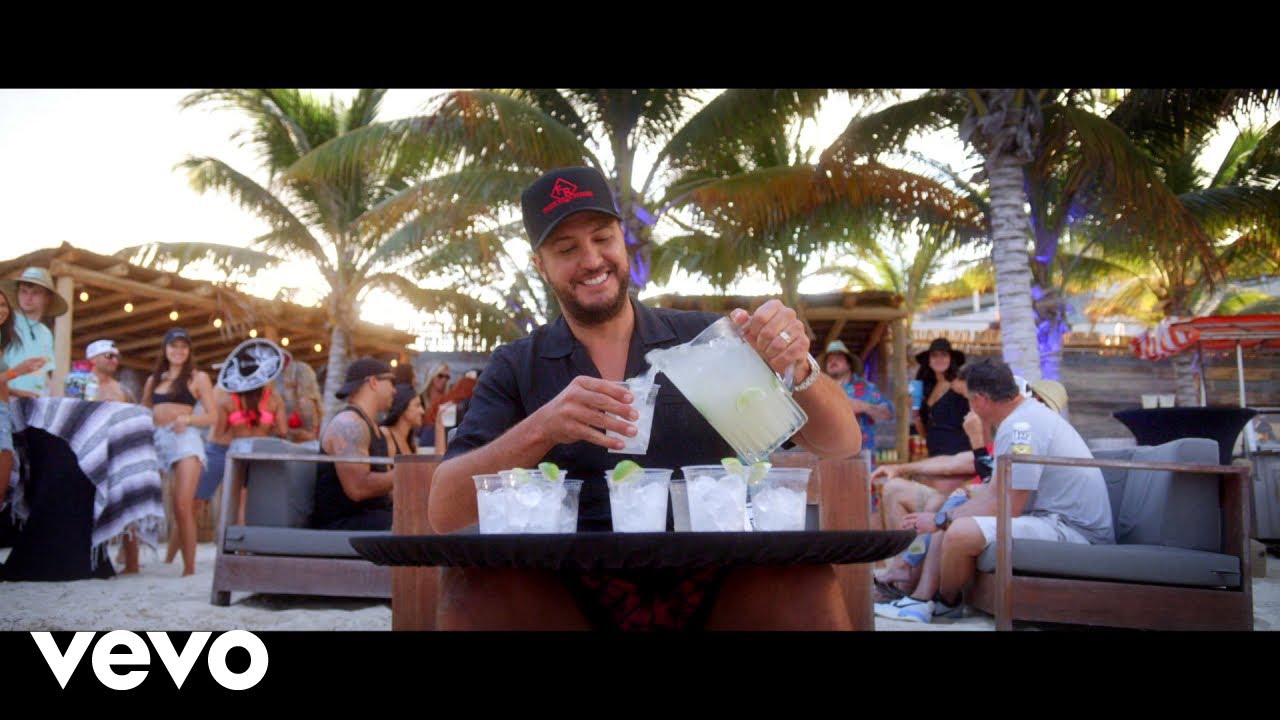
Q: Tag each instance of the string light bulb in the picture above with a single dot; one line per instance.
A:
(84, 296)
(284, 342)
(319, 347)
(253, 333)
(128, 307)
(173, 315)
(217, 322)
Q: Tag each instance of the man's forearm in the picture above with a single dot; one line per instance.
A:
(958, 464)
(453, 494)
(832, 430)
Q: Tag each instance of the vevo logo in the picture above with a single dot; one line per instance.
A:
(178, 665)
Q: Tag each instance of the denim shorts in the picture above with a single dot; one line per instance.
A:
(213, 469)
(6, 428)
(172, 447)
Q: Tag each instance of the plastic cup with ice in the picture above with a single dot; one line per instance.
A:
(717, 498)
(778, 498)
(638, 497)
(644, 394)
(527, 501)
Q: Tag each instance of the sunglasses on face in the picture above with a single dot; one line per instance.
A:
(111, 356)
(388, 378)
(443, 375)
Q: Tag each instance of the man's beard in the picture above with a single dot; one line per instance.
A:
(595, 315)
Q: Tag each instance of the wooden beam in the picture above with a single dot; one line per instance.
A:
(856, 313)
(62, 335)
(834, 333)
(91, 322)
(901, 401)
(163, 281)
(876, 335)
(197, 332)
(100, 301)
(119, 270)
(93, 277)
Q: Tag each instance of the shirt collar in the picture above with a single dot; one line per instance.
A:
(649, 328)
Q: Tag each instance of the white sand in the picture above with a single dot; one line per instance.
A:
(158, 598)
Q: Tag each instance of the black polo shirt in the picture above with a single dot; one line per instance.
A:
(525, 375)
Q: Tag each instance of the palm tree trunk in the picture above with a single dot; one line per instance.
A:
(1186, 380)
(339, 341)
(1010, 230)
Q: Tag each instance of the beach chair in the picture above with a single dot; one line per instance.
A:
(1181, 559)
(275, 550)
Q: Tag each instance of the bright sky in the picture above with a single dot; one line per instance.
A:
(95, 168)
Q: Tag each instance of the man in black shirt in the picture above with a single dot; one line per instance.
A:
(549, 397)
(356, 496)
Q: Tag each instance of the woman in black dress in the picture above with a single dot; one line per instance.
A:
(941, 416)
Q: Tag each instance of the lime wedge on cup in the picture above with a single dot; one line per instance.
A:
(752, 474)
(550, 471)
(627, 469)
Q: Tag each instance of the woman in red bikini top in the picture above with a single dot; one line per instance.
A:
(247, 407)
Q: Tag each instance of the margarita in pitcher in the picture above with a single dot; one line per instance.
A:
(732, 387)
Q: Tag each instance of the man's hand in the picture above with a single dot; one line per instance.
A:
(885, 473)
(922, 523)
(582, 407)
(29, 365)
(973, 428)
(778, 335)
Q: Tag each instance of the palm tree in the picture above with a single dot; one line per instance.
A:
(1020, 135)
(760, 204)
(1239, 207)
(494, 143)
(356, 231)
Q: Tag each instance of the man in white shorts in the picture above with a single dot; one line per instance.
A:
(1049, 502)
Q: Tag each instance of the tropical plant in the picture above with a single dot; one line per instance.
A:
(356, 231)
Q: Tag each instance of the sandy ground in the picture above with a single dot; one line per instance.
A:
(158, 598)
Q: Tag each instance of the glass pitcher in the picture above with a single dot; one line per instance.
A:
(732, 387)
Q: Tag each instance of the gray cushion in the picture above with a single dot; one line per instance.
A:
(281, 494)
(1148, 564)
(1159, 507)
(293, 541)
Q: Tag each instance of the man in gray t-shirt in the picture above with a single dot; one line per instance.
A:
(1049, 502)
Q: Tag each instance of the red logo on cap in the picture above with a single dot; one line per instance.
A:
(564, 191)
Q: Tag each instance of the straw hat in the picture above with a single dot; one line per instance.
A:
(40, 276)
(1051, 392)
(253, 364)
(838, 346)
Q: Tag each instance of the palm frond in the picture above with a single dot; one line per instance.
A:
(288, 235)
(870, 135)
(225, 258)
(472, 318)
(1247, 302)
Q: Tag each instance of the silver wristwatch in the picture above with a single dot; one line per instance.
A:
(814, 372)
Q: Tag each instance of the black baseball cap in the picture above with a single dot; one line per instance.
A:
(357, 372)
(177, 334)
(561, 193)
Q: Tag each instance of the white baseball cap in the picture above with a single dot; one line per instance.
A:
(98, 347)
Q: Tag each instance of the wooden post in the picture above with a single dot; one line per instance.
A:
(62, 335)
(414, 590)
(901, 399)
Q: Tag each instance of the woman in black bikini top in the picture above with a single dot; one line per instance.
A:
(404, 419)
(172, 392)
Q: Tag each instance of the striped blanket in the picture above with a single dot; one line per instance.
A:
(113, 446)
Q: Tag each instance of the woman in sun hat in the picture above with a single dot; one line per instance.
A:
(245, 406)
(941, 417)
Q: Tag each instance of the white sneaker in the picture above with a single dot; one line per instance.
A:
(906, 608)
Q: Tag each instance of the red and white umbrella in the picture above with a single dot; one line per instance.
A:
(1168, 338)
